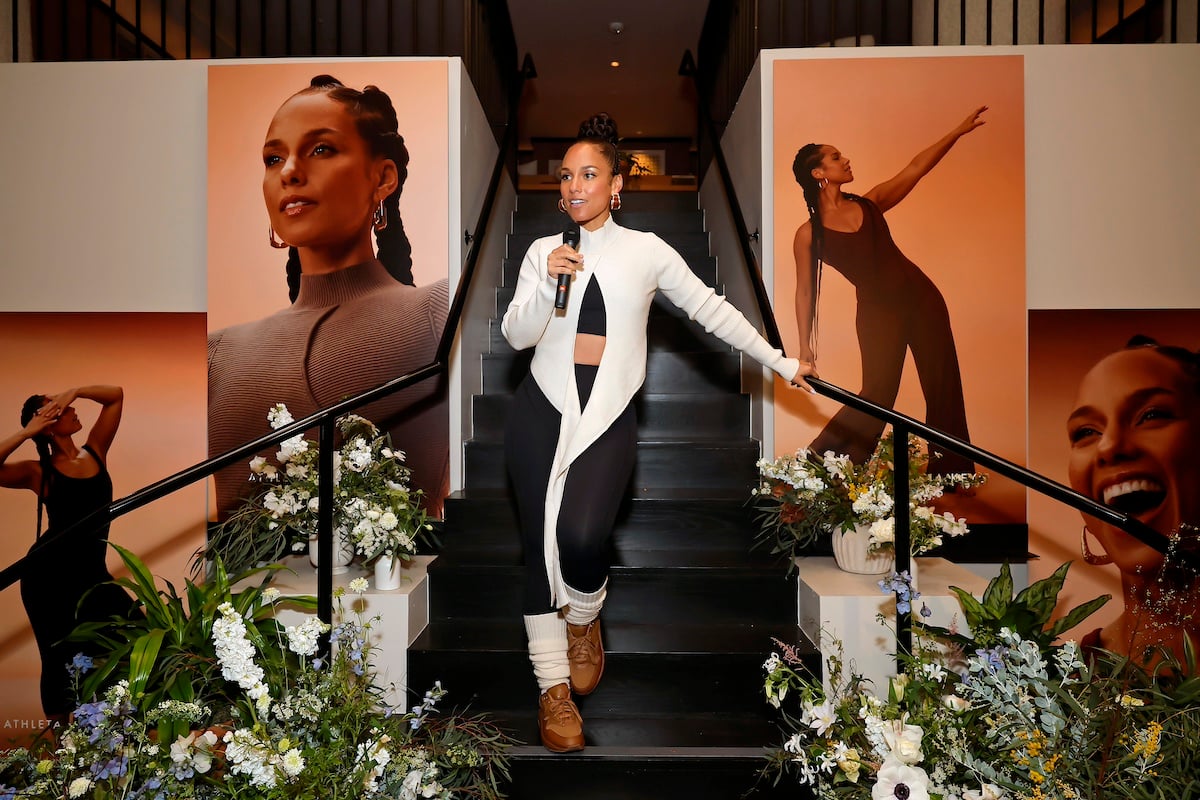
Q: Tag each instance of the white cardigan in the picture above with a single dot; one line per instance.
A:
(630, 266)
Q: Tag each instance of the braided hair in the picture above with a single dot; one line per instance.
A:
(601, 130)
(807, 159)
(1188, 360)
(376, 122)
(42, 443)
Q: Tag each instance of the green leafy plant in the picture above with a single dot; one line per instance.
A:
(268, 716)
(1029, 611)
(1004, 713)
(165, 650)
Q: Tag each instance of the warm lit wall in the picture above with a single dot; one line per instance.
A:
(159, 361)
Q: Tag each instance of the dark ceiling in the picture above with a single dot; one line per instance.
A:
(571, 44)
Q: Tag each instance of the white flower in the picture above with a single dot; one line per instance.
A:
(900, 781)
(78, 787)
(302, 638)
(821, 717)
(903, 740)
(359, 585)
(292, 763)
(257, 464)
(290, 448)
(388, 521)
(270, 593)
(933, 670)
(883, 531)
(194, 750)
(279, 416)
(987, 791)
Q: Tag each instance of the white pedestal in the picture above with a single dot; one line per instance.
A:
(402, 614)
(835, 606)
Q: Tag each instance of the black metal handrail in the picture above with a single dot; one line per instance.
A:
(903, 425)
(325, 419)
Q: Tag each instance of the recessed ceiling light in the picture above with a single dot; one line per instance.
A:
(614, 63)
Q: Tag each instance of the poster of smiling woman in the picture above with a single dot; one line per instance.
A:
(327, 231)
(899, 252)
(1114, 399)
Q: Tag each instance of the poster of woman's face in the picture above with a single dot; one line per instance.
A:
(1121, 425)
(246, 279)
(158, 361)
(961, 230)
(310, 155)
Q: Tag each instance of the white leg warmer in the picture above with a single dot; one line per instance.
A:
(583, 607)
(548, 649)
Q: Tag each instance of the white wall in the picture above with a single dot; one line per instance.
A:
(741, 145)
(104, 186)
(477, 149)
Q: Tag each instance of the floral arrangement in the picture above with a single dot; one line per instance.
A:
(1008, 716)
(376, 512)
(803, 497)
(286, 723)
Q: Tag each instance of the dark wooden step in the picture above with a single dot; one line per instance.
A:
(535, 202)
(481, 528)
(655, 684)
(666, 371)
(647, 773)
(700, 417)
(635, 595)
(661, 464)
(544, 221)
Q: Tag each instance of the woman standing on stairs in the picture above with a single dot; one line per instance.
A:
(899, 308)
(71, 482)
(571, 437)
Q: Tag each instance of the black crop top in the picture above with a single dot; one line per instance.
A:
(592, 318)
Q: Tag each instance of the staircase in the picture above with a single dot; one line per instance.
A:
(690, 611)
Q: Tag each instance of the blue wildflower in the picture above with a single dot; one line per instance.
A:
(81, 664)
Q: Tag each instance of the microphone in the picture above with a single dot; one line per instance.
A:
(571, 237)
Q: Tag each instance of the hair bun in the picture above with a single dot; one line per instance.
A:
(599, 126)
(323, 81)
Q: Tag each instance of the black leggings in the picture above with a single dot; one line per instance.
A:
(591, 498)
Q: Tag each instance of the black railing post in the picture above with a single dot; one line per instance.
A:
(903, 536)
(325, 526)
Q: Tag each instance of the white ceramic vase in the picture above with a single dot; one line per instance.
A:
(388, 572)
(343, 552)
(851, 551)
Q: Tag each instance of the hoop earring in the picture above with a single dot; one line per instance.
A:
(278, 245)
(614, 202)
(821, 184)
(1089, 556)
(379, 219)
(562, 206)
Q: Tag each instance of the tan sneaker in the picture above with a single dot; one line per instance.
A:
(585, 651)
(559, 722)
